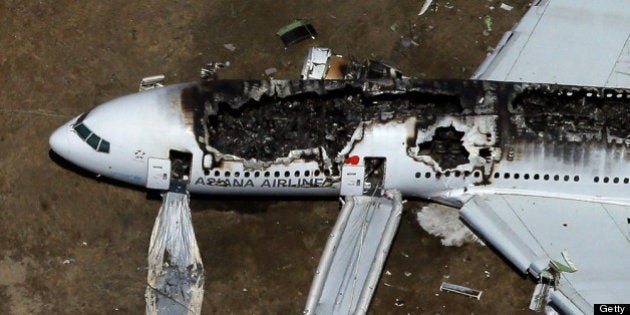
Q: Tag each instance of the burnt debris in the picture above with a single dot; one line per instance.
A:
(270, 120)
(265, 120)
(575, 114)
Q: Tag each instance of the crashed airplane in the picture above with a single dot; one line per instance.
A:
(502, 151)
(539, 170)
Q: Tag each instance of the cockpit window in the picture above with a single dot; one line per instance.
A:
(98, 144)
(104, 146)
(82, 131)
(93, 141)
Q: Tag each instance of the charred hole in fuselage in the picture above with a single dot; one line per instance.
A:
(311, 115)
(573, 114)
(446, 148)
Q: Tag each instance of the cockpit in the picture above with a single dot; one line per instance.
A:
(97, 143)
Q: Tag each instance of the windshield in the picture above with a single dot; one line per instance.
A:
(96, 142)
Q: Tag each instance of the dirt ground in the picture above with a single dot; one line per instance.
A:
(71, 244)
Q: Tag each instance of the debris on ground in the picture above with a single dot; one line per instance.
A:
(425, 6)
(487, 21)
(211, 69)
(322, 63)
(230, 47)
(296, 32)
(443, 222)
(69, 261)
(506, 7)
(449, 287)
(270, 72)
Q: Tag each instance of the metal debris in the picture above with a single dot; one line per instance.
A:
(210, 70)
(506, 7)
(296, 32)
(153, 82)
(69, 261)
(425, 6)
(449, 287)
(270, 72)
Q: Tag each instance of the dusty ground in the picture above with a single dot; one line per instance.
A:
(60, 58)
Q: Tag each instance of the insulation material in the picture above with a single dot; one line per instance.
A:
(444, 222)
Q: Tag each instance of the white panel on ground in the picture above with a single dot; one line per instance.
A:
(175, 277)
(355, 254)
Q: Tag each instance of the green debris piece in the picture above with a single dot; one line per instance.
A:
(488, 22)
(562, 267)
(394, 27)
(289, 27)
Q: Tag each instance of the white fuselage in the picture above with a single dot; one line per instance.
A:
(150, 124)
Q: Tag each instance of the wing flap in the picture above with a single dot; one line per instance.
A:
(532, 231)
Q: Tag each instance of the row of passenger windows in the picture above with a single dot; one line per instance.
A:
(526, 176)
(438, 175)
(257, 174)
(98, 144)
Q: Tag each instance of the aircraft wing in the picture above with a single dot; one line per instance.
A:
(532, 231)
(575, 42)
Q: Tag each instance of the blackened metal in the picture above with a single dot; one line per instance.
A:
(446, 148)
(266, 120)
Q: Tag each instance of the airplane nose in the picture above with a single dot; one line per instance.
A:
(59, 141)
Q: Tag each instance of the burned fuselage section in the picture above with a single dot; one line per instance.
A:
(420, 128)
(262, 123)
